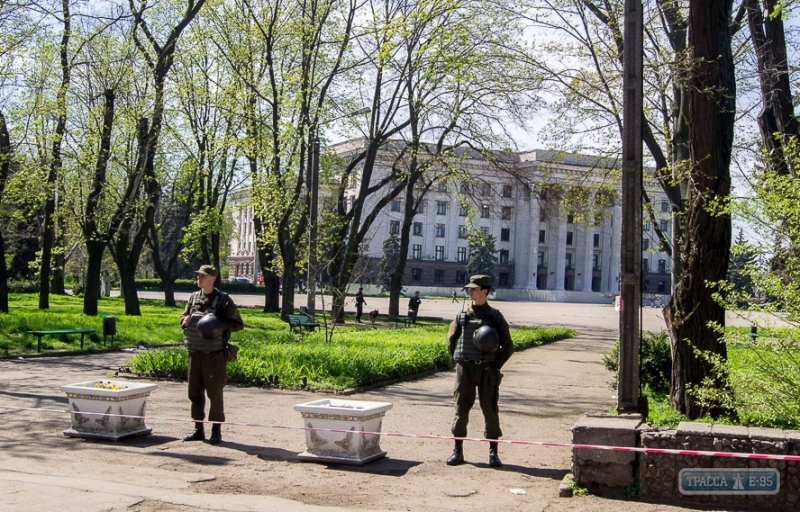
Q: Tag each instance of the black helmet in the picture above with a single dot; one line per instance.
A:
(209, 326)
(486, 339)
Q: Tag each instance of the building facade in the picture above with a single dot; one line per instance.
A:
(547, 237)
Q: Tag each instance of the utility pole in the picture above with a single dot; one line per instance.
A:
(631, 258)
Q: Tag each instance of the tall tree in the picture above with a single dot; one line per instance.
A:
(482, 254)
(130, 227)
(48, 227)
(692, 312)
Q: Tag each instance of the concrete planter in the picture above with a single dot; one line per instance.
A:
(115, 397)
(349, 416)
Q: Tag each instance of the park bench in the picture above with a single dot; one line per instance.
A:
(40, 334)
(302, 321)
(400, 320)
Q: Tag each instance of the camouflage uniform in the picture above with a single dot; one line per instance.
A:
(207, 361)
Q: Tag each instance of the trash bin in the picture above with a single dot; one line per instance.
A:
(109, 327)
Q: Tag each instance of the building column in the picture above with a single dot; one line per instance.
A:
(588, 257)
(615, 250)
(533, 244)
(558, 252)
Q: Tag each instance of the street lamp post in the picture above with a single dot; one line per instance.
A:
(312, 180)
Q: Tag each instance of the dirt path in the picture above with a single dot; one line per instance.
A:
(544, 392)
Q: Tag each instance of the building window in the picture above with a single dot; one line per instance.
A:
(486, 189)
(463, 211)
(485, 230)
(542, 215)
(645, 244)
(417, 229)
(646, 226)
(664, 225)
(396, 205)
(394, 227)
(502, 279)
(416, 274)
(596, 240)
(505, 234)
(662, 287)
(464, 188)
(441, 186)
(540, 259)
(541, 236)
(503, 257)
(421, 207)
(568, 260)
(461, 276)
(462, 254)
(569, 237)
(645, 265)
(438, 276)
(441, 208)
(570, 219)
(485, 212)
(463, 232)
(506, 213)
(662, 266)
(664, 206)
(439, 230)
(595, 262)
(508, 191)
(416, 251)
(439, 252)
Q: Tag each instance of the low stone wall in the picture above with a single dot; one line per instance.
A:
(658, 474)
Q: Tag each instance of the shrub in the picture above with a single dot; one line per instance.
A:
(655, 361)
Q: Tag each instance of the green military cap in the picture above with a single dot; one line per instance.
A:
(207, 270)
(479, 281)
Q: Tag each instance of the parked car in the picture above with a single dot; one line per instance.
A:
(239, 279)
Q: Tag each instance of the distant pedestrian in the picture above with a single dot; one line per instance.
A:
(480, 343)
(413, 307)
(209, 318)
(360, 303)
(455, 296)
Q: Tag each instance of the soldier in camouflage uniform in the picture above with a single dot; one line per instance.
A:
(207, 356)
(476, 369)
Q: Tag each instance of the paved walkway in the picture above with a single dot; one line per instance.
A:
(544, 392)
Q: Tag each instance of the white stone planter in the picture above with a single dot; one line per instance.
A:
(130, 399)
(348, 415)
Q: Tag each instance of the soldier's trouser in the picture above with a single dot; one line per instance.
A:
(207, 375)
(486, 379)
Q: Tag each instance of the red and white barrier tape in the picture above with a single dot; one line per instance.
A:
(652, 451)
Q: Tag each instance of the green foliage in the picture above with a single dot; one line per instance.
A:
(355, 357)
(391, 257)
(482, 253)
(742, 268)
(655, 361)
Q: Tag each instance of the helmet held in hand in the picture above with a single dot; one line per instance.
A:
(486, 339)
(209, 326)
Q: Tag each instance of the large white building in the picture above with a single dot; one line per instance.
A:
(557, 236)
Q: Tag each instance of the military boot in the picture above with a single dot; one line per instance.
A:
(198, 434)
(458, 454)
(494, 459)
(216, 434)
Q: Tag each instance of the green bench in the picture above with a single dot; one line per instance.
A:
(400, 320)
(40, 334)
(300, 321)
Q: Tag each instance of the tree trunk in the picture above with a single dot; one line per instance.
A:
(5, 170)
(705, 250)
(94, 264)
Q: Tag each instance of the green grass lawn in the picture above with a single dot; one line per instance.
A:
(357, 356)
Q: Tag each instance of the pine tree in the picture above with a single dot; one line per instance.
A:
(391, 256)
